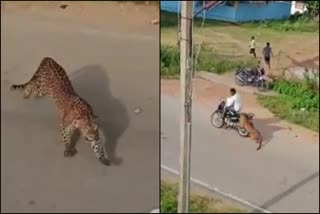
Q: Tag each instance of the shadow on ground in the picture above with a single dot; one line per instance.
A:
(311, 63)
(92, 83)
(267, 127)
(287, 192)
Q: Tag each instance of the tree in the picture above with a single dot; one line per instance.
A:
(312, 8)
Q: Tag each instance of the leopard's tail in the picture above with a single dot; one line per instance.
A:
(23, 86)
(248, 125)
(258, 140)
(97, 146)
(18, 87)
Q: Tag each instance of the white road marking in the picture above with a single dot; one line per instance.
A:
(215, 189)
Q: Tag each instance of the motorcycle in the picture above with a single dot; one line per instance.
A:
(231, 119)
(251, 77)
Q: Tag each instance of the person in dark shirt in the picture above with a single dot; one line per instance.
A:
(267, 53)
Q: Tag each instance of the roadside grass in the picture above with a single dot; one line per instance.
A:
(295, 23)
(208, 60)
(198, 204)
(280, 107)
(297, 101)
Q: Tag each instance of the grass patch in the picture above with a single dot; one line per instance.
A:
(208, 60)
(233, 39)
(280, 107)
(300, 94)
(298, 102)
(198, 204)
(295, 23)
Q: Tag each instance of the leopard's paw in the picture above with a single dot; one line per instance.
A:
(70, 152)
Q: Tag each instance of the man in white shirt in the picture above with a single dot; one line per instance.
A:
(233, 103)
(253, 46)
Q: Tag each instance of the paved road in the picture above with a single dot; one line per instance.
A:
(282, 177)
(108, 67)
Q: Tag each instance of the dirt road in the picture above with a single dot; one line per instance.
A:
(108, 63)
(282, 177)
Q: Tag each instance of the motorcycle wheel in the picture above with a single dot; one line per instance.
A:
(262, 85)
(243, 132)
(216, 119)
(239, 82)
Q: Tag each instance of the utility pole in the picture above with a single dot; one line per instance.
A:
(186, 93)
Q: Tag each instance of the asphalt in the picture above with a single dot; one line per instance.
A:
(117, 72)
(282, 177)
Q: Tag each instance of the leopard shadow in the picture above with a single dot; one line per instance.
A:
(92, 84)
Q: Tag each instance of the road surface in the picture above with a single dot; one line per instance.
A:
(117, 71)
(282, 177)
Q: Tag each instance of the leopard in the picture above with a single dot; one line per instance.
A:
(244, 122)
(51, 80)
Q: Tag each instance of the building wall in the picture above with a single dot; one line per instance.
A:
(244, 12)
(261, 11)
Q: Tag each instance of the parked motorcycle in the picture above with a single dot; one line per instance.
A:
(251, 77)
(231, 119)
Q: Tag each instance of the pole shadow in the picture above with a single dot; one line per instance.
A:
(287, 192)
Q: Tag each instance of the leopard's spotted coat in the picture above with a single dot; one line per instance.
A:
(51, 80)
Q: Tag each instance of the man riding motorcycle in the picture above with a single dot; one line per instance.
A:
(233, 103)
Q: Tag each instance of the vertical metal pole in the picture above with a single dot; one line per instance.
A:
(186, 93)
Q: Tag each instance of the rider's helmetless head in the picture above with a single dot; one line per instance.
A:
(233, 91)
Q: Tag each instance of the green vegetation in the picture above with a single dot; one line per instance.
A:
(207, 60)
(228, 42)
(312, 8)
(198, 204)
(279, 106)
(300, 94)
(296, 23)
(298, 102)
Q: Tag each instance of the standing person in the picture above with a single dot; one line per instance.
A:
(253, 46)
(267, 53)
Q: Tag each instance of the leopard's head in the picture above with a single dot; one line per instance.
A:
(89, 128)
(90, 132)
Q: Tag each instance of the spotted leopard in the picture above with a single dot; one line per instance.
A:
(51, 80)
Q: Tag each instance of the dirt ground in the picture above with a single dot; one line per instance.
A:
(291, 49)
(91, 13)
(207, 94)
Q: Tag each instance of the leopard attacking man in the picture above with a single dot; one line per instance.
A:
(254, 133)
(51, 80)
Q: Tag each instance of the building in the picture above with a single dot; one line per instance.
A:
(239, 11)
(298, 7)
